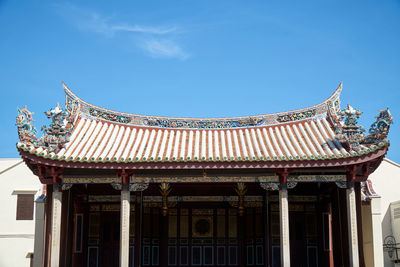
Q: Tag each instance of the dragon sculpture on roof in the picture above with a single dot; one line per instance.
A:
(55, 136)
(350, 134)
(26, 130)
(59, 131)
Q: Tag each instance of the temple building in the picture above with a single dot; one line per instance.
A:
(280, 189)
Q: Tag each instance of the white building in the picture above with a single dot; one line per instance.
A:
(18, 189)
(377, 223)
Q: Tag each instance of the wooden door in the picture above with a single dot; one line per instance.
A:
(109, 239)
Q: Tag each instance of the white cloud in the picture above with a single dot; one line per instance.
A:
(144, 29)
(157, 41)
(164, 48)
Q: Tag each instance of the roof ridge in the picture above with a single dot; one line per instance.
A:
(332, 97)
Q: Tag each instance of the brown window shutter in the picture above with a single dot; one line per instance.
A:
(25, 207)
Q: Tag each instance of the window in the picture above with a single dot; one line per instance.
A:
(25, 206)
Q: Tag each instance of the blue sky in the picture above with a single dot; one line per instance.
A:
(199, 58)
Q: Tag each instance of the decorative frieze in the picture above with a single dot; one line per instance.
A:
(317, 178)
(91, 180)
(276, 186)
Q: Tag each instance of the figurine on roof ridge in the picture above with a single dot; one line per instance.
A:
(352, 135)
(59, 131)
(26, 130)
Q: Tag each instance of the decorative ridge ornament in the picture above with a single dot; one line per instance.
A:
(329, 106)
(57, 135)
(26, 130)
(379, 130)
(350, 134)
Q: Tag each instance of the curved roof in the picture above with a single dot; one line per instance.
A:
(102, 135)
(328, 107)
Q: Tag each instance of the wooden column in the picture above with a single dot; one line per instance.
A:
(56, 227)
(328, 244)
(138, 230)
(352, 226)
(267, 249)
(77, 255)
(284, 219)
(165, 189)
(47, 222)
(124, 228)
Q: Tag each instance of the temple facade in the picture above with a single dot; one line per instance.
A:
(280, 189)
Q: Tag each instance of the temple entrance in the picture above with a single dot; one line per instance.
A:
(202, 231)
(197, 234)
(207, 235)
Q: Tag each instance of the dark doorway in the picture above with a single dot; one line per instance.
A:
(109, 239)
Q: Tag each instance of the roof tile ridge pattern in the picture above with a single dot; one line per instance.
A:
(85, 138)
(293, 142)
(302, 149)
(117, 143)
(122, 145)
(328, 107)
(110, 137)
(70, 146)
(92, 139)
(97, 141)
(103, 142)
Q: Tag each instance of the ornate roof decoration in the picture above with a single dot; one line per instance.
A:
(57, 135)
(350, 133)
(26, 130)
(100, 135)
(379, 130)
(330, 105)
(368, 191)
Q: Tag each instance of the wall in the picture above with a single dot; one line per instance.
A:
(386, 181)
(16, 237)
